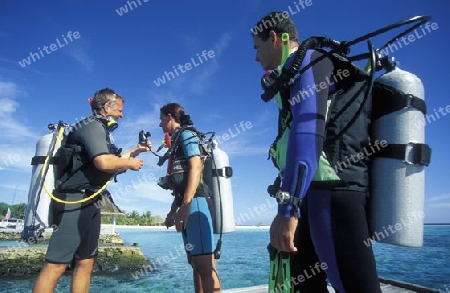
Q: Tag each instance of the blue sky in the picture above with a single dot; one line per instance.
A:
(91, 45)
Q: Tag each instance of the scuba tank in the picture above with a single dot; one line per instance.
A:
(398, 168)
(217, 175)
(52, 161)
(37, 215)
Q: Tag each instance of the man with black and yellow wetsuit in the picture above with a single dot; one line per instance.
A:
(77, 225)
(323, 229)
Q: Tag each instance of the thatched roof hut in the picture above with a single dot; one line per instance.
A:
(109, 208)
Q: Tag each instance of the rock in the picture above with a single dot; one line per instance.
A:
(22, 259)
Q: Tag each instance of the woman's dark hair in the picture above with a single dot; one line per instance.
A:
(177, 112)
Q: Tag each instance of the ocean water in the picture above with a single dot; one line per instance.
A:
(244, 262)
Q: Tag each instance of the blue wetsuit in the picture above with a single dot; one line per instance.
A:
(333, 224)
(198, 235)
(308, 108)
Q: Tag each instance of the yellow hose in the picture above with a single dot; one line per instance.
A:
(58, 138)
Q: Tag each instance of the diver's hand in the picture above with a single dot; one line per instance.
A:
(141, 148)
(182, 216)
(282, 232)
(170, 220)
(144, 148)
(135, 164)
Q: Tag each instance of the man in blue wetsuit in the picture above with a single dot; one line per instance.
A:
(326, 229)
(190, 211)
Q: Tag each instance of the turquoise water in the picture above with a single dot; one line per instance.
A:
(244, 262)
(427, 266)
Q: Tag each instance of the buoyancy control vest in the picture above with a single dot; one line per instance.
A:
(177, 175)
(347, 128)
(60, 165)
(75, 169)
(216, 176)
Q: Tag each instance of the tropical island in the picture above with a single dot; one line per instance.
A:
(111, 214)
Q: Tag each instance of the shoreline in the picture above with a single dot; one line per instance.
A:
(173, 228)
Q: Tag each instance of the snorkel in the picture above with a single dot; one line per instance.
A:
(284, 57)
(271, 76)
(286, 48)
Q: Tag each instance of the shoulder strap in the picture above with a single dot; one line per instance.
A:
(356, 84)
(293, 73)
(70, 154)
(171, 152)
(391, 100)
(199, 135)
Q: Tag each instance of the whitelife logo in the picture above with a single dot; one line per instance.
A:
(53, 47)
(184, 68)
(124, 9)
(301, 5)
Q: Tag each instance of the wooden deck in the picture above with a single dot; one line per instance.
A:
(387, 286)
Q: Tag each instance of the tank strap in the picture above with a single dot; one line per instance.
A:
(223, 172)
(421, 153)
(38, 160)
(387, 99)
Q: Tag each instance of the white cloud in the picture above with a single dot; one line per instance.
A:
(201, 79)
(9, 89)
(436, 209)
(81, 55)
(8, 106)
(439, 205)
(223, 43)
(12, 130)
(439, 201)
(438, 198)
